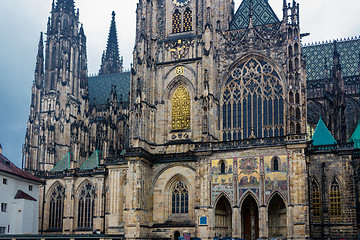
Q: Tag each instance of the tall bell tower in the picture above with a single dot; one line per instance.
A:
(59, 92)
(174, 56)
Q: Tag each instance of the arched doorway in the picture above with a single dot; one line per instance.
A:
(250, 219)
(176, 235)
(277, 217)
(223, 218)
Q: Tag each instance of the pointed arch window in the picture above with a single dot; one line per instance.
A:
(335, 202)
(180, 198)
(253, 102)
(180, 114)
(222, 167)
(187, 20)
(316, 202)
(56, 210)
(86, 206)
(176, 21)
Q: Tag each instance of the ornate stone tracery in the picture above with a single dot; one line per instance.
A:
(253, 102)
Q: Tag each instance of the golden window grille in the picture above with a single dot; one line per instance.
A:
(335, 202)
(316, 202)
(176, 22)
(187, 20)
(180, 114)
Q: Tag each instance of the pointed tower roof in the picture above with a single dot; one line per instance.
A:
(63, 164)
(39, 70)
(322, 135)
(356, 137)
(111, 62)
(92, 162)
(260, 10)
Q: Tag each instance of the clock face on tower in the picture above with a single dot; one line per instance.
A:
(181, 3)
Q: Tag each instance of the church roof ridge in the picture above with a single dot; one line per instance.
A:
(331, 41)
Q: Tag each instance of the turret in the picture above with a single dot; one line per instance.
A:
(39, 70)
(111, 62)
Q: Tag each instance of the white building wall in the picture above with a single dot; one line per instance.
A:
(22, 215)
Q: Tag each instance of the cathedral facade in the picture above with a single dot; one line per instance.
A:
(211, 133)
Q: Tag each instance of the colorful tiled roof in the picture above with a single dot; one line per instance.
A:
(7, 166)
(92, 162)
(322, 135)
(100, 87)
(262, 12)
(316, 56)
(23, 195)
(356, 137)
(63, 164)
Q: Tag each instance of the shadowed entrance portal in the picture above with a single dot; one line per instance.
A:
(250, 219)
(223, 218)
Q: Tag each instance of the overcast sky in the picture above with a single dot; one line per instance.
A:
(21, 22)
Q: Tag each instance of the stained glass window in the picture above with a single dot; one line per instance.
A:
(176, 22)
(316, 202)
(56, 210)
(180, 198)
(253, 102)
(180, 115)
(86, 206)
(335, 202)
(187, 20)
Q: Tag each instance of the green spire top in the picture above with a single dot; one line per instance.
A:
(92, 162)
(322, 135)
(356, 137)
(63, 164)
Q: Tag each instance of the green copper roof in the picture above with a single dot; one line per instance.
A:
(356, 137)
(322, 135)
(92, 162)
(262, 12)
(63, 164)
(316, 56)
(100, 87)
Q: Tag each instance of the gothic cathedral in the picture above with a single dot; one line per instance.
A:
(226, 126)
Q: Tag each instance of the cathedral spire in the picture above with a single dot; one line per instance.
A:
(111, 62)
(67, 6)
(39, 70)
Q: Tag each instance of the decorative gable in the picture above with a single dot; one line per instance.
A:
(262, 13)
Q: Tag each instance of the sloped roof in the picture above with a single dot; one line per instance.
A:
(316, 56)
(23, 195)
(100, 87)
(92, 162)
(263, 14)
(356, 137)
(63, 164)
(322, 135)
(7, 166)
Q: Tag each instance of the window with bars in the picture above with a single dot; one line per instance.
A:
(56, 210)
(335, 202)
(180, 198)
(181, 109)
(316, 202)
(187, 22)
(182, 22)
(253, 102)
(176, 21)
(86, 206)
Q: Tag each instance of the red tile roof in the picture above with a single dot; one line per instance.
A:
(23, 195)
(7, 166)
